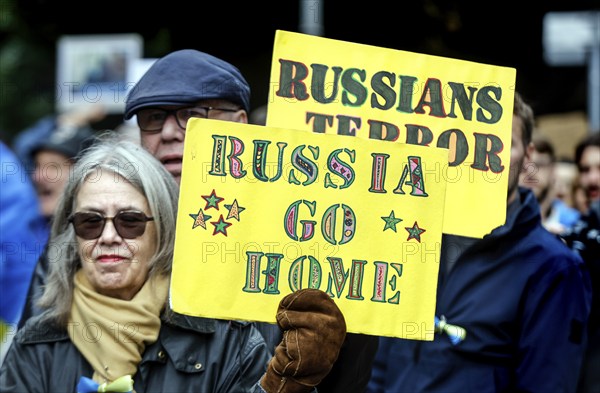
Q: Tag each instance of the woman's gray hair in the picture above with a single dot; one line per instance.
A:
(126, 160)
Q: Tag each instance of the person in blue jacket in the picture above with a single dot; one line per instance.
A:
(23, 235)
(511, 307)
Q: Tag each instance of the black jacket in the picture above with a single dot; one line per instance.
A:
(350, 373)
(190, 355)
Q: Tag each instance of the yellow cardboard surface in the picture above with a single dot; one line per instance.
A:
(330, 86)
(265, 211)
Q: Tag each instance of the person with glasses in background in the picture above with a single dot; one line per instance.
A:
(189, 83)
(106, 324)
(540, 176)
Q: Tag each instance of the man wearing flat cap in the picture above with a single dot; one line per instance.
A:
(189, 83)
(181, 85)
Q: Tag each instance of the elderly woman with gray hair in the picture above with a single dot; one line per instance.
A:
(106, 324)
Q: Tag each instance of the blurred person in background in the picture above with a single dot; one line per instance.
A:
(565, 177)
(540, 176)
(23, 235)
(584, 239)
(580, 199)
(587, 157)
(28, 137)
(42, 129)
(54, 157)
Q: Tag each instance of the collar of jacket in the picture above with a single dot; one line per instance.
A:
(521, 216)
(38, 330)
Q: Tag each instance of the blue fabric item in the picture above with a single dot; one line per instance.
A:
(523, 298)
(186, 77)
(567, 215)
(88, 385)
(23, 235)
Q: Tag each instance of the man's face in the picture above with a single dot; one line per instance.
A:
(538, 174)
(167, 143)
(52, 170)
(565, 175)
(589, 172)
(518, 154)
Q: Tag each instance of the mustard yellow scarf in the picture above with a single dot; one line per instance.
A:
(111, 333)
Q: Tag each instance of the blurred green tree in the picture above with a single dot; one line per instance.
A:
(27, 71)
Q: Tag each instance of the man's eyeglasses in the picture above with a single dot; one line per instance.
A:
(128, 224)
(153, 119)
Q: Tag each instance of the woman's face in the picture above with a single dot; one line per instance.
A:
(114, 265)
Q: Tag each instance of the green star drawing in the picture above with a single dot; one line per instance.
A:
(234, 210)
(200, 219)
(220, 226)
(414, 232)
(391, 221)
(212, 200)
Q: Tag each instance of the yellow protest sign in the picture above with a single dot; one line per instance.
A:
(330, 86)
(266, 211)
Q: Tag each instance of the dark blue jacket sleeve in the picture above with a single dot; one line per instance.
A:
(548, 352)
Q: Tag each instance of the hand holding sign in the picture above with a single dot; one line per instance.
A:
(314, 330)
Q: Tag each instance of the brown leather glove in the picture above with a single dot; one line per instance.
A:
(313, 333)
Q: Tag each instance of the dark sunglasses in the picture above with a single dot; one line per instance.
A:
(128, 224)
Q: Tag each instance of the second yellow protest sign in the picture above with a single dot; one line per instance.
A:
(337, 87)
(266, 211)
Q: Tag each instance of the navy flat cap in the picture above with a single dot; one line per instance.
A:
(185, 77)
